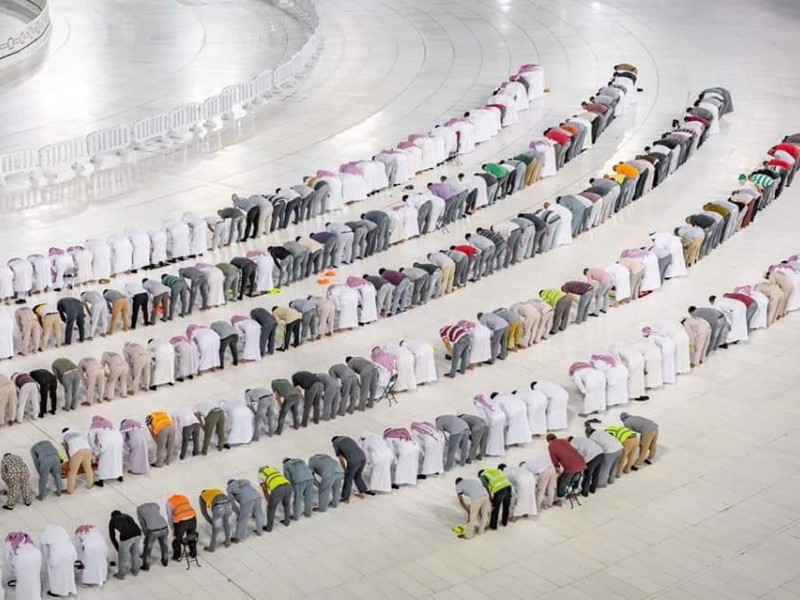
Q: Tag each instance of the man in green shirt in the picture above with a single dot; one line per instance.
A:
(288, 398)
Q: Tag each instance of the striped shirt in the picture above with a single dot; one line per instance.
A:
(762, 180)
(453, 333)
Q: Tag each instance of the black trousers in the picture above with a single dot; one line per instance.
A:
(292, 331)
(232, 342)
(353, 473)
(248, 275)
(267, 339)
(251, 222)
(140, 302)
(179, 532)
(590, 475)
(289, 405)
(501, 500)
(190, 433)
(47, 389)
(70, 323)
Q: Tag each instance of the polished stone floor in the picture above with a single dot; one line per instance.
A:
(715, 517)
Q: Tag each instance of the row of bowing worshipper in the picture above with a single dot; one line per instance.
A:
(257, 272)
(367, 466)
(638, 272)
(260, 214)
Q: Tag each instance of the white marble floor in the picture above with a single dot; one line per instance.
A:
(716, 517)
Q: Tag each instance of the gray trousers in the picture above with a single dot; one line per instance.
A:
(165, 445)
(636, 284)
(369, 389)
(383, 298)
(455, 441)
(182, 292)
(359, 244)
(420, 290)
(129, 555)
(303, 492)
(608, 469)
(526, 243)
(284, 268)
(401, 297)
(330, 490)
(252, 509)
(663, 264)
(98, 320)
(424, 218)
(220, 523)
(328, 253)
(514, 251)
(460, 360)
(561, 314)
(230, 285)
(601, 292)
(280, 496)
(463, 268)
(300, 266)
(484, 264)
(499, 344)
(584, 302)
(719, 334)
(236, 230)
(434, 286)
(200, 287)
(49, 465)
(72, 384)
(264, 417)
(331, 403)
(478, 440)
(214, 423)
(150, 539)
(309, 324)
(343, 248)
(312, 400)
(350, 392)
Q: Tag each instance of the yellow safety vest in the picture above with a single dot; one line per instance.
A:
(496, 480)
(621, 433)
(273, 478)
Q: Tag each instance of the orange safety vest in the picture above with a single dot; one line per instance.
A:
(181, 509)
(158, 421)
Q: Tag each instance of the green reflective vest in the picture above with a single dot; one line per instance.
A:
(495, 480)
(620, 432)
(272, 478)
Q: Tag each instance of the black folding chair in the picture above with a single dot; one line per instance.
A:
(188, 539)
(572, 494)
(388, 391)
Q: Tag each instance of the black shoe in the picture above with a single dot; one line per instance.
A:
(634, 468)
(165, 562)
(120, 478)
(648, 461)
(724, 346)
(99, 483)
(145, 568)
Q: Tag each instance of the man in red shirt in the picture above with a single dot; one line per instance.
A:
(568, 463)
(472, 254)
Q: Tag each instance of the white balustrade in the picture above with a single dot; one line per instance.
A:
(185, 118)
(114, 139)
(283, 74)
(71, 152)
(152, 128)
(264, 83)
(21, 161)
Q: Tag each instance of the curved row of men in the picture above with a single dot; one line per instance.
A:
(398, 457)
(246, 217)
(386, 293)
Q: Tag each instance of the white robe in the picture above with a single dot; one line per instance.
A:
(158, 247)
(346, 301)
(137, 450)
(793, 303)
(84, 271)
(216, 285)
(616, 382)
(239, 422)
(466, 139)
(431, 452)
(622, 281)
(93, 553)
(565, 231)
(517, 429)
(535, 81)
(177, 238)
(249, 338)
(679, 335)
(633, 360)
(354, 187)
(673, 245)
(496, 419)
(59, 556)
(23, 275)
(481, 344)
(536, 403)
(335, 200)
(140, 241)
(759, 319)
(60, 265)
(6, 334)
(592, 384)
(207, 342)
(652, 274)
(379, 462)
(547, 147)
(653, 372)
(101, 259)
(523, 483)
(736, 314)
(187, 359)
(121, 253)
(25, 566)
(368, 298)
(667, 347)
(264, 268)
(406, 461)
(557, 401)
(198, 234)
(404, 367)
(429, 151)
(374, 175)
(41, 272)
(163, 370)
(107, 445)
(6, 282)
(424, 361)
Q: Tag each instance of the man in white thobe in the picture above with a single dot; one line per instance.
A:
(92, 551)
(163, 371)
(59, 555)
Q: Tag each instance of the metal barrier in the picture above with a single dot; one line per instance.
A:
(21, 161)
(175, 123)
(72, 152)
(114, 139)
(150, 128)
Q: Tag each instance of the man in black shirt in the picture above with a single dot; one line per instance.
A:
(129, 546)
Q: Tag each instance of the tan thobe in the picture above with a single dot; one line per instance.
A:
(94, 378)
(30, 330)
